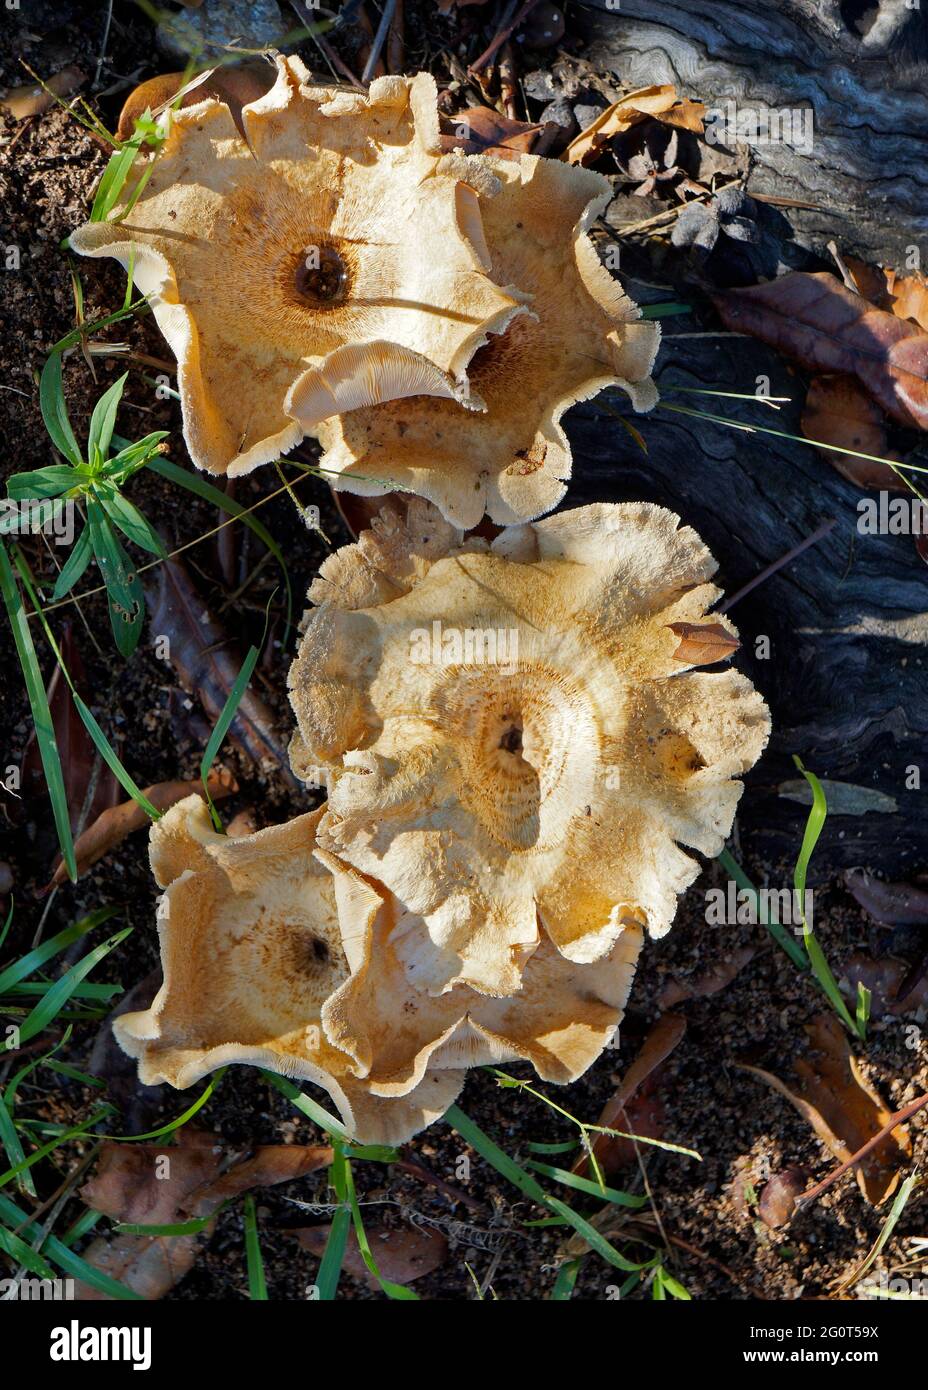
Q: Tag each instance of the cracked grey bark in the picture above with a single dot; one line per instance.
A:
(847, 679)
(861, 65)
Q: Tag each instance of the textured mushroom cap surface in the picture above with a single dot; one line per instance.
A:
(323, 264)
(514, 749)
(582, 335)
(251, 950)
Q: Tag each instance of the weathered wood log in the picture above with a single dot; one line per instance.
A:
(847, 673)
(862, 67)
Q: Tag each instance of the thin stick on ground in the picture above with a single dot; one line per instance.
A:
(900, 1118)
(380, 39)
(779, 564)
(501, 36)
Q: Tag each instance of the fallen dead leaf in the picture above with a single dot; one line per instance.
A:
(892, 904)
(675, 991)
(235, 84)
(481, 130)
(779, 1196)
(32, 100)
(702, 644)
(885, 977)
(815, 320)
(158, 1185)
(658, 101)
(906, 296)
(843, 1108)
(208, 666)
(113, 825)
(838, 411)
(656, 1048)
(402, 1254)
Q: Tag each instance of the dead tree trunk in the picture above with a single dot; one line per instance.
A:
(847, 674)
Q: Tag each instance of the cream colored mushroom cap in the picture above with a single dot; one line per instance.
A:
(583, 334)
(514, 749)
(324, 263)
(251, 950)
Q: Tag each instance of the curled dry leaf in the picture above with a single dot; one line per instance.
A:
(843, 1108)
(815, 320)
(702, 644)
(906, 296)
(839, 411)
(885, 978)
(401, 1254)
(208, 665)
(658, 101)
(236, 84)
(113, 825)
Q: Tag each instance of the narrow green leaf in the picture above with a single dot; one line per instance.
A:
(85, 1127)
(176, 1228)
(103, 419)
(74, 566)
(333, 1256)
(41, 715)
(776, 929)
(47, 1009)
(15, 1152)
(113, 180)
(50, 481)
(587, 1185)
(181, 1120)
(566, 1280)
(59, 1254)
(257, 1284)
(123, 586)
(222, 727)
(54, 410)
(132, 523)
(395, 1291)
(23, 1254)
(33, 960)
(313, 1111)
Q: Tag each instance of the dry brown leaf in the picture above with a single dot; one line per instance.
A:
(843, 1108)
(113, 825)
(906, 296)
(148, 1184)
(481, 130)
(715, 979)
(32, 100)
(779, 1196)
(236, 85)
(815, 320)
(892, 904)
(885, 978)
(658, 101)
(401, 1254)
(838, 411)
(702, 644)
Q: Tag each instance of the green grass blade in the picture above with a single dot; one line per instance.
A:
(181, 1120)
(177, 1228)
(820, 967)
(587, 1185)
(41, 714)
(62, 1256)
(395, 1291)
(257, 1284)
(113, 180)
(776, 929)
(209, 493)
(85, 1128)
(566, 1280)
(55, 412)
(310, 1108)
(222, 727)
(23, 1254)
(9, 1138)
(333, 1256)
(54, 1001)
(33, 960)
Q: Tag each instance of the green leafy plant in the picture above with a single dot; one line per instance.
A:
(94, 479)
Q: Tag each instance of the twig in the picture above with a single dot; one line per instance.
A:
(790, 555)
(106, 39)
(900, 1118)
(502, 34)
(337, 65)
(380, 39)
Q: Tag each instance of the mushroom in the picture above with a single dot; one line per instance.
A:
(511, 745)
(251, 950)
(315, 256)
(582, 335)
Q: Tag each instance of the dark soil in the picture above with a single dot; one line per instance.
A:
(743, 1131)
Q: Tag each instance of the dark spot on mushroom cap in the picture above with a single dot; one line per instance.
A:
(321, 276)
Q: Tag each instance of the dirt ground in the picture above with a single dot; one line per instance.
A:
(743, 1130)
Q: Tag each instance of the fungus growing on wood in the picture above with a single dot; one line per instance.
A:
(583, 334)
(323, 262)
(513, 739)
